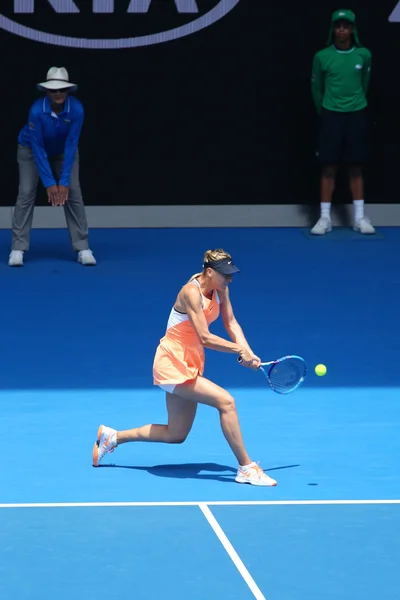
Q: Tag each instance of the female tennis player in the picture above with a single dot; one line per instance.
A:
(179, 365)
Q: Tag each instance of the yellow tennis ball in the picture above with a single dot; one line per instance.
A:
(320, 370)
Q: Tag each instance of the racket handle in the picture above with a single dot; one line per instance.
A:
(240, 360)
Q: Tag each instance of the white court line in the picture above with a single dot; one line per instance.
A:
(209, 503)
(231, 551)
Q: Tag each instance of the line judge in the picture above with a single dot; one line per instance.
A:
(48, 150)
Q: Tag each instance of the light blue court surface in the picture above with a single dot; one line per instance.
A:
(168, 522)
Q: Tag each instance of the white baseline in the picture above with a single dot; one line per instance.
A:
(204, 503)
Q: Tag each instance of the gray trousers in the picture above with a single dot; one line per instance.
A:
(74, 209)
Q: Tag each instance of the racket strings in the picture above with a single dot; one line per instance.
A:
(287, 374)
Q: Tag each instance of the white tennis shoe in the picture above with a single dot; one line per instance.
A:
(254, 475)
(364, 225)
(322, 226)
(105, 444)
(16, 258)
(86, 258)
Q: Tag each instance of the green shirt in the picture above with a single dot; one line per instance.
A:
(340, 79)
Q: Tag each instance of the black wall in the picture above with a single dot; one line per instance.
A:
(221, 116)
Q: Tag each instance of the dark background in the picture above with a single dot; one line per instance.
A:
(222, 116)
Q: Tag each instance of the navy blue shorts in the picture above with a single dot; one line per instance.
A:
(343, 137)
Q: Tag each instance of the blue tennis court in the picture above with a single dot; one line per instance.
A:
(168, 521)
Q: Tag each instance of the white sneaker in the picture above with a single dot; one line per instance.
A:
(254, 475)
(16, 258)
(103, 445)
(322, 226)
(86, 258)
(364, 226)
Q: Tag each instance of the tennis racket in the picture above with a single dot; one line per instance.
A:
(285, 374)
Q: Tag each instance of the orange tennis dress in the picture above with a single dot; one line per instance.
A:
(180, 356)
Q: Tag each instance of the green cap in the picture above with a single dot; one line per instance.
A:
(344, 14)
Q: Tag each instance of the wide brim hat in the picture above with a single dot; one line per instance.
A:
(57, 79)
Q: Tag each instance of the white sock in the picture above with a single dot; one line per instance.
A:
(326, 210)
(113, 439)
(358, 209)
(247, 467)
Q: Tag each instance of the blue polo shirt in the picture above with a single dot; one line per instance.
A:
(49, 134)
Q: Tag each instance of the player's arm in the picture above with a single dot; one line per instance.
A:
(38, 150)
(194, 310)
(71, 144)
(231, 325)
(317, 83)
(366, 75)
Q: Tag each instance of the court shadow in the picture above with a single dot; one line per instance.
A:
(213, 471)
